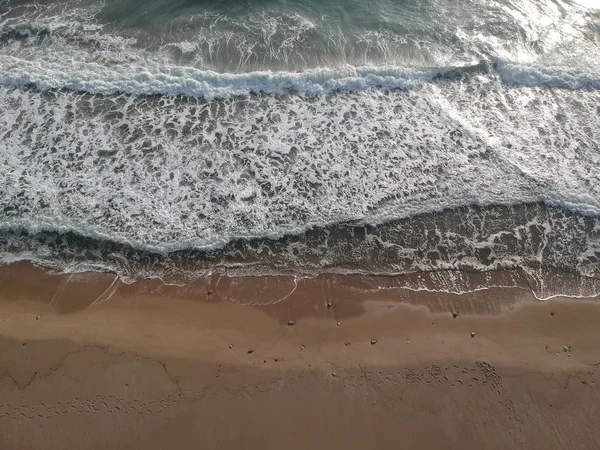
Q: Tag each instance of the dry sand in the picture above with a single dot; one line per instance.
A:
(87, 362)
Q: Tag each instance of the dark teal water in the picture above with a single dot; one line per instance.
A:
(233, 36)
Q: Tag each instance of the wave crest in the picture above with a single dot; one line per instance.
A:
(191, 82)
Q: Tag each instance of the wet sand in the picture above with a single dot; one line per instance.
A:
(338, 362)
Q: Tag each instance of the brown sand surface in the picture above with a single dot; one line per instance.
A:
(88, 362)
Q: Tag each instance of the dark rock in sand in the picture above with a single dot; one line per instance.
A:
(373, 341)
(291, 323)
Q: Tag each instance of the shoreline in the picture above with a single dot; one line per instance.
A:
(440, 251)
(86, 362)
(340, 295)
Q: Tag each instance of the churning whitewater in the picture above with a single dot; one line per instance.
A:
(184, 137)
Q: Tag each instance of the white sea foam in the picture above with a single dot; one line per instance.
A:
(573, 77)
(262, 154)
(167, 80)
(202, 173)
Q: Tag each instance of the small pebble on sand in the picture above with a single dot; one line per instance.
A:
(291, 323)
(551, 313)
(346, 344)
(230, 346)
(373, 341)
(455, 314)
(333, 374)
(338, 324)
(302, 347)
(251, 351)
(328, 305)
(472, 334)
(37, 317)
(210, 292)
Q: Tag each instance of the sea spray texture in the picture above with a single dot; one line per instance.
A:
(547, 249)
(187, 136)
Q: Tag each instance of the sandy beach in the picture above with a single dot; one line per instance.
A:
(89, 362)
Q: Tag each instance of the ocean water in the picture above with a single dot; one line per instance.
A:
(180, 138)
